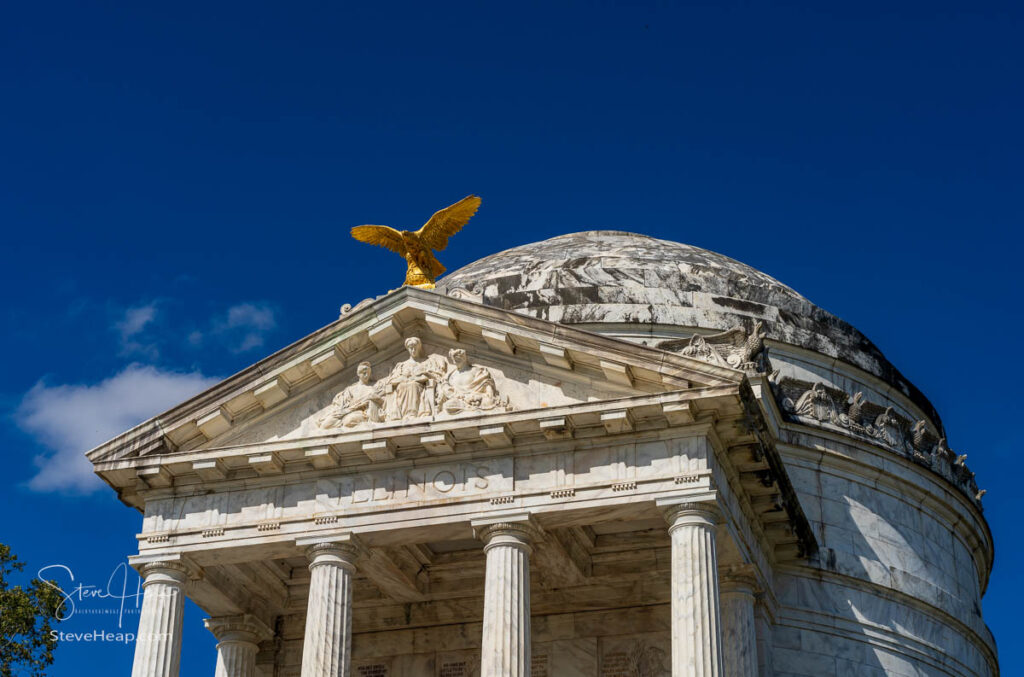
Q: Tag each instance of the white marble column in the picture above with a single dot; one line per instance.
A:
(765, 666)
(158, 642)
(505, 648)
(739, 630)
(327, 647)
(238, 639)
(696, 622)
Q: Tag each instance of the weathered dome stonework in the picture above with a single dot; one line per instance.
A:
(607, 277)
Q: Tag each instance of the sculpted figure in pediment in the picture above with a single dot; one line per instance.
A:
(411, 387)
(361, 402)
(468, 387)
(420, 386)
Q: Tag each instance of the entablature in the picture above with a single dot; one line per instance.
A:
(227, 497)
(425, 440)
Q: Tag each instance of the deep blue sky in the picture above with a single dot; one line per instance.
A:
(177, 182)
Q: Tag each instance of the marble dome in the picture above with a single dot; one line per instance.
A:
(616, 282)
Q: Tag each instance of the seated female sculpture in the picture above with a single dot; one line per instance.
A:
(412, 383)
(467, 387)
(359, 403)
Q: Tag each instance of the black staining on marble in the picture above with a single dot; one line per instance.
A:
(625, 278)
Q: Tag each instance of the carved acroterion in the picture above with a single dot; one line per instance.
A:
(736, 348)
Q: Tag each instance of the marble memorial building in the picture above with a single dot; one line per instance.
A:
(597, 455)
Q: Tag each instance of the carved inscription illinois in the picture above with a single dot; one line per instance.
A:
(420, 484)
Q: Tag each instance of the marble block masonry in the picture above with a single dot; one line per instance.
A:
(598, 455)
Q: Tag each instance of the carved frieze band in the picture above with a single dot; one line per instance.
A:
(818, 404)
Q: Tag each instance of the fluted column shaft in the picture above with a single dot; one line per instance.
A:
(764, 643)
(505, 647)
(238, 640)
(327, 647)
(158, 643)
(236, 659)
(696, 621)
(739, 629)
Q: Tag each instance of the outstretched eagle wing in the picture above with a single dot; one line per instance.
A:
(734, 337)
(448, 221)
(382, 236)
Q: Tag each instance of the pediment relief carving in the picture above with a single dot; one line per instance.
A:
(415, 382)
(421, 386)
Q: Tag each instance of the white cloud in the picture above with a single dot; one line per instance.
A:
(132, 323)
(247, 324)
(71, 419)
(135, 320)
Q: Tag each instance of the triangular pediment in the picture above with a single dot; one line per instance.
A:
(515, 364)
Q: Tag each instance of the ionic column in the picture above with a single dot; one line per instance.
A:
(764, 642)
(238, 639)
(505, 648)
(696, 623)
(327, 647)
(739, 629)
(158, 643)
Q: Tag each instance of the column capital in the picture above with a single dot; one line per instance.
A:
(240, 628)
(684, 511)
(339, 550)
(740, 578)
(517, 529)
(172, 569)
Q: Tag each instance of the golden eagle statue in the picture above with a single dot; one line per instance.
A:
(416, 247)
